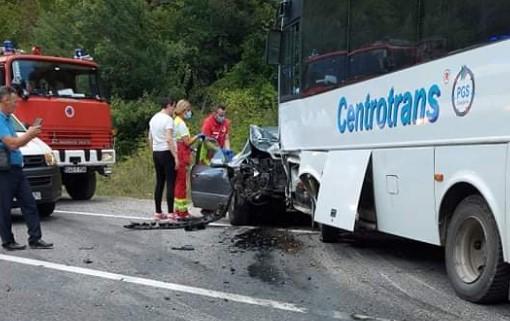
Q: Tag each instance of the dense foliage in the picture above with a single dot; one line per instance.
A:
(209, 51)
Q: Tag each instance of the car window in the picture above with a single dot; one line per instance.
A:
(207, 149)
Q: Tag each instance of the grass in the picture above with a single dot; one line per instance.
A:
(132, 177)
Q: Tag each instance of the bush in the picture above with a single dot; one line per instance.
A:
(131, 121)
(245, 107)
(133, 176)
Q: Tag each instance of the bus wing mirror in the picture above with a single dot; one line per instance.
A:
(273, 45)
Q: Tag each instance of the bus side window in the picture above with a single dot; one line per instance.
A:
(380, 46)
(473, 22)
(324, 41)
(433, 30)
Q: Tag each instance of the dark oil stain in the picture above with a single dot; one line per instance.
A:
(266, 239)
(265, 242)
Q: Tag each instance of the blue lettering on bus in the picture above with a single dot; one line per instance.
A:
(404, 109)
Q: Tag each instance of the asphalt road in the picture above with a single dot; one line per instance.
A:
(102, 271)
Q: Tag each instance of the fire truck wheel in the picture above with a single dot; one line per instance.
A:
(46, 209)
(473, 254)
(81, 186)
(239, 210)
(329, 234)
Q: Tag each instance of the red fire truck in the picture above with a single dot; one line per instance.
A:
(76, 119)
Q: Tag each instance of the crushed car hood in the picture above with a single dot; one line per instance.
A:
(264, 139)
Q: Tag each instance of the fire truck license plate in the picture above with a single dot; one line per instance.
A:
(75, 169)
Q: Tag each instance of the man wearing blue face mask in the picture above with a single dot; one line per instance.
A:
(217, 126)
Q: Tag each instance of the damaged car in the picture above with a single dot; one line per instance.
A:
(254, 179)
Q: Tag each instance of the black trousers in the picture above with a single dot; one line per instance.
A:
(164, 164)
(13, 183)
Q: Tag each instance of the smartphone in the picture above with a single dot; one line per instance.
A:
(37, 122)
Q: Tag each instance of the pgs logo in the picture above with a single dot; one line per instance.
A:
(463, 92)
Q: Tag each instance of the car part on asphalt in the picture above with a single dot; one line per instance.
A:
(190, 224)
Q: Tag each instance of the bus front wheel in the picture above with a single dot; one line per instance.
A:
(473, 254)
(81, 186)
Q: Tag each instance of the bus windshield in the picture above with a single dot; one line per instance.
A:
(45, 78)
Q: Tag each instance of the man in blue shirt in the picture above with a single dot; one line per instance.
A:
(13, 182)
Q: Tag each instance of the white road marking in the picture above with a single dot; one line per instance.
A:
(103, 215)
(424, 283)
(395, 284)
(179, 288)
(142, 218)
(155, 283)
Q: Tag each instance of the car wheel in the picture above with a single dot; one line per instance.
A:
(473, 254)
(239, 210)
(46, 209)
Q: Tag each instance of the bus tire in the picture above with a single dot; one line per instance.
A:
(81, 186)
(239, 210)
(329, 234)
(46, 209)
(473, 254)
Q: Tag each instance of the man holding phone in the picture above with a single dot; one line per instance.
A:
(37, 122)
(13, 182)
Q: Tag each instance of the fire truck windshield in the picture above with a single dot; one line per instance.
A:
(46, 78)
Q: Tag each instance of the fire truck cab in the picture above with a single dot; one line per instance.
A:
(76, 119)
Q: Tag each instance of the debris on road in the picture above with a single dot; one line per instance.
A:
(190, 224)
(87, 248)
(87, 261)
(183, 248)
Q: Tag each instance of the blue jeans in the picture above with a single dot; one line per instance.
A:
(13, 183)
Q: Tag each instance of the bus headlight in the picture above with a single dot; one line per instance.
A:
(50, 159)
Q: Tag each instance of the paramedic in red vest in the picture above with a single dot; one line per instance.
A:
(217, 126)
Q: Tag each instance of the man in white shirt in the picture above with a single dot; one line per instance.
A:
(164, 154)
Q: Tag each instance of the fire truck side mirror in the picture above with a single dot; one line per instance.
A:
(25, 94)
(21, 89)
(273, 45)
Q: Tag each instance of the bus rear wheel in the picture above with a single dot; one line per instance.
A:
(81, 186)
(473, 254)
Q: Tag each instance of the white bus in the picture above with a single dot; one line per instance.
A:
(395, 115)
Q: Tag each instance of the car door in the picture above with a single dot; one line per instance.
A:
(210, 184)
